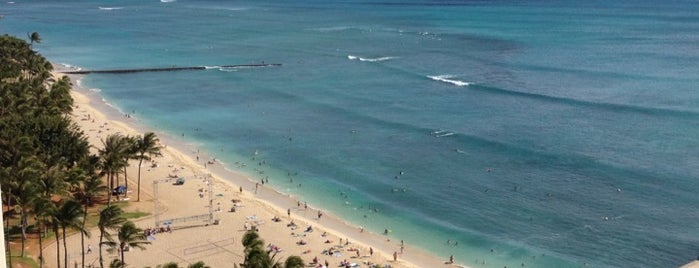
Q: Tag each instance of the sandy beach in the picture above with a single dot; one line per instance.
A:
(237, 204)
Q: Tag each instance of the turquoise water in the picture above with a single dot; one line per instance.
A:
(549, 133)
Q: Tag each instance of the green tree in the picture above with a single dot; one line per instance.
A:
(256, 256)
(113, 156)
(26, 192)
(294, 262)
(146, 146)
(34, 38)
(43, 211)
(129, 236)
(116, 263)
(199, 264)
(39, 143)
(110, 219)
(90, 186)
(69, 216)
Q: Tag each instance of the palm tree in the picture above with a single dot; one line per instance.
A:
(255, 254)
(25, 193)
(169, 265)
(90, 187)
(129, 153)
(110, 219)
(257, 257)
(129, 236)
(116, 263)
(43, 210)
(146, 147)
(34, 38)
(199, 264)
(294, 262)
(70, 216)
(113, 158)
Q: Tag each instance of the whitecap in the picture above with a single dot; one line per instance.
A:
(448, 79)
(353, 57)
(95, 90)
(445, 134)
(110, 8)
(167, 1)
(228, 69)
(376, 59)
(333, 29)
(236, 8)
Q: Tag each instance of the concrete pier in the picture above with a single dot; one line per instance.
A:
(169, 69)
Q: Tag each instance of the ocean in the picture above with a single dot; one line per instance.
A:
(506, 133)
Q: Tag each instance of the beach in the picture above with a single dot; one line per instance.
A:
(237, 203)
(504, 133)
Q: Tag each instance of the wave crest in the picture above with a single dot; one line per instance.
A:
(448, 79)
(110, 8)
(352, 57)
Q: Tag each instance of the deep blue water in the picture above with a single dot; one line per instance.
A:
(549, 133)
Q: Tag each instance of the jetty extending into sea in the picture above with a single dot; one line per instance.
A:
(170, 69)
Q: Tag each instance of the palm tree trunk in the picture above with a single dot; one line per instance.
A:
(7, 229)
(58, 245)
(126, 182)
(138, 192)
(65, 248)
(100, 249)
(41, 247)
(109, 191)
(123, 264)
(23, 224)
(82, 236)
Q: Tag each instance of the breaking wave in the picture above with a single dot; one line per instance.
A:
(448, 79)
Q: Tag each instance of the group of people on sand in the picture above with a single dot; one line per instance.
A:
(148, 232)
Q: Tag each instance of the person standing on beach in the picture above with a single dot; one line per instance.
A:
(395, 256)
(288, 212)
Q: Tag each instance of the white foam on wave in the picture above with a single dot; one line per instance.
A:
(95, 90)
(212, 67)
(110, 8)
(352, 57)
(448, 79)
(376, 59)
(333, 29)
(237, 8)
(229, 69)
(445, 134)
(167, 1)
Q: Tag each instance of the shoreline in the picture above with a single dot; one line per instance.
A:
(269, 198)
